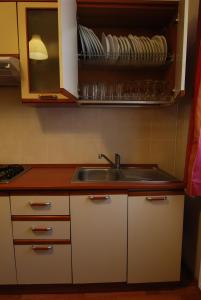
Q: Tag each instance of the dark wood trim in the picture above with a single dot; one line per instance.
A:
(41, 242)
(4, 194)
(40, 218)
(49, 101)
(125, 3)
(71, 98)
(39, 193)
(98, 192)
(29, 1)
(155, 193)
(10, 55)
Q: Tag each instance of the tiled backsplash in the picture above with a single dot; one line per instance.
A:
(77, 135)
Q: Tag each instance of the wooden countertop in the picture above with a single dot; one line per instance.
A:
(58, 178)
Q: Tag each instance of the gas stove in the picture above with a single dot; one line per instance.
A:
(9, 172)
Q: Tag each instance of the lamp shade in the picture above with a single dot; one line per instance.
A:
(37, 49)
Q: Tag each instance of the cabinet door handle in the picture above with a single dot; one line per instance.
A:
(96, 198)
(40, 204)
(160, 198)
(42, 248)
(41, 229)
(48, 97)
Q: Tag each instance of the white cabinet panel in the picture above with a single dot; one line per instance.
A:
(39, 205)
(154, 238)
(41, 230)
(68, 46)
(40, 265)
(99, 238)
(7, 261)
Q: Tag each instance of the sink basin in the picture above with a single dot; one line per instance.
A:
(122, 174)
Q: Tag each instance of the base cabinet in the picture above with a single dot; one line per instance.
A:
(155, 225)
(43, 264)
(99, 238)
(7, 260)
(41, 238)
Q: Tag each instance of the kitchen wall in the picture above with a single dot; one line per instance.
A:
(72, 135)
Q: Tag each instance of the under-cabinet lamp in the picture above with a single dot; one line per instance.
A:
(37, 48)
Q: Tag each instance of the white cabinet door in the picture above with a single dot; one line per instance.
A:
(154, 238)
(7, 261)
(68, 53)
(99, 238)
(8, 28)
(43, 264)
(182, 32)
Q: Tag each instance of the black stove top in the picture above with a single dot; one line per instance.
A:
(9, 172)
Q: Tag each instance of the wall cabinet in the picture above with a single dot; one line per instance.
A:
(7, 260)
(155, 225)
(41, 237)
(99, 238)
(131, 71)
(147, 69)
(8, 32)
(48, 71)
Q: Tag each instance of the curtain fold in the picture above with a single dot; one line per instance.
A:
(193, 162)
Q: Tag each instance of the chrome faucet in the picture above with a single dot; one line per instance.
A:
(116, 164)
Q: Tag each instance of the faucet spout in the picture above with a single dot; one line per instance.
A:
(116, 164)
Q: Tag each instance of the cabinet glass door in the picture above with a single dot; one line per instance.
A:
(42, 65)
(43, 60)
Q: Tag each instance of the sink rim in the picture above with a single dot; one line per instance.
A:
(133, 179)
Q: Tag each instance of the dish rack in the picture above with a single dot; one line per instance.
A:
(132, 92)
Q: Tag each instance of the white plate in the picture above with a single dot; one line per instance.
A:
(139, 49)
(165, 45)
(129, 49)
(162, 40)
(121, 47)
(89, 50)
(161, 46)
(84, 50)
(112, 48)
(106, 45)
(124, 47)
(149, 46)
(92, 47)
(97, 42)
(116, 46)
(155, 51)
(159, 51)
(133, 47)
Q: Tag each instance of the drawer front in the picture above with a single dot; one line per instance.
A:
(43, 264)
(39, 205)
(41, 230)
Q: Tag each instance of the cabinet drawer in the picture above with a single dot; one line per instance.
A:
(39, 205)
(41, 230)
(43, 264)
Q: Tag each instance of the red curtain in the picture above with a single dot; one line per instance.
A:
(193, 162)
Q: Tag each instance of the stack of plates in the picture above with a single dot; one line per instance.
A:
(90, 43)
(131, 49)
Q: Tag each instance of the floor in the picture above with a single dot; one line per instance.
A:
(190, 292)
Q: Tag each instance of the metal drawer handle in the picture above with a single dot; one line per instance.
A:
(40, 204)
(163, 198)
(42, 248)
(41, 229)
(103, 197)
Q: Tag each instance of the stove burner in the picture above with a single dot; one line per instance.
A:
(9, 172)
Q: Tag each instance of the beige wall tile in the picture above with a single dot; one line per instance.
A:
(163, 154)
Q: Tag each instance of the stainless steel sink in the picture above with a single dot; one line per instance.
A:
(122, 174)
